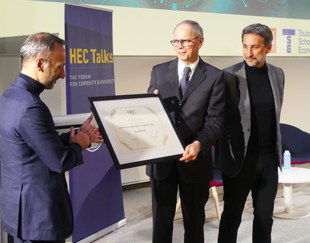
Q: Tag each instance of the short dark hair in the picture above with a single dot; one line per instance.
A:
(261, 30)
(197, 28)
(39, 43)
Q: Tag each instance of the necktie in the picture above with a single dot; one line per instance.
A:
(185, 79)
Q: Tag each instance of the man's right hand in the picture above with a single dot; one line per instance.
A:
(84, 137)
(156, 92)
(97, 138)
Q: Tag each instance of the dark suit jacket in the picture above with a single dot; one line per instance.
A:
(198, 116)
(35, 202)
(231, 148)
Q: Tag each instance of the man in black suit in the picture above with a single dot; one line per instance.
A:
(195, 100)
(35, 203)
(249, 150)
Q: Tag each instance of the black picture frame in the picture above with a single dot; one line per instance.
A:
(145, 112)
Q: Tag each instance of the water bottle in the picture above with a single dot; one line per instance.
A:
(287, 159)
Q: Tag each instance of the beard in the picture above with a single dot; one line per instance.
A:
(253, 63)
(49, 83)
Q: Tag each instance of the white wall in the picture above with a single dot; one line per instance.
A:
(19, 18)
(27, 17)
(145, 32)
(10, 68)
(141, 40)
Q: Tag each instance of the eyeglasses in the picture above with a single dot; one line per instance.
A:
(184, 43)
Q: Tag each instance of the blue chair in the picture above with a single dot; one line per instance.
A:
(297, 142)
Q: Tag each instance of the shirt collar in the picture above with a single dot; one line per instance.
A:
(181, 67)
(37, 86)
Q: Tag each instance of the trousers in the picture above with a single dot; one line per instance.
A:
(259, 175)
(193, 196)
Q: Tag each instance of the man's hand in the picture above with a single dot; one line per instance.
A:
(97, 138)
(87, 134)
(191, 151)
(83, 138)
(156, 92)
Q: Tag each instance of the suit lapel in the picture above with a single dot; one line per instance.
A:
(172, 77)
(244, 103)
(198, 76)
(275, 83)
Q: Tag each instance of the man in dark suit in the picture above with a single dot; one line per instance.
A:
(35, 203)
(195, 100)
(249, 151)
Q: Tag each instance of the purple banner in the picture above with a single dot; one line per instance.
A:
(90, 62)
(95, 186)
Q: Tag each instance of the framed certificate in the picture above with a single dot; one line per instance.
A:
(136, 129)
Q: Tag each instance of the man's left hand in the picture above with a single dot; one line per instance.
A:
(191, 151)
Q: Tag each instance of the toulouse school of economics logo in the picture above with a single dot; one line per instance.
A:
(288, 33)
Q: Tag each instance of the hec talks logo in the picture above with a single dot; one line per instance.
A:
(274, 41)
(288, 33)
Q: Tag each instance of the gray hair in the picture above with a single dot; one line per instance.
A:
(196, 27)
(40, 43)
(261, 30)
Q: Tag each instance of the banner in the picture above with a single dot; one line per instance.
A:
(297, 41)
(95, 186)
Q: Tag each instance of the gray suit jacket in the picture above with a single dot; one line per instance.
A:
(231, 147)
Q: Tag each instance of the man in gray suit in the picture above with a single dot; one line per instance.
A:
(249, 151)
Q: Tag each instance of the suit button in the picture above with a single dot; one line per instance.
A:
(248, 129)
(180, 104)
(179, 122)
